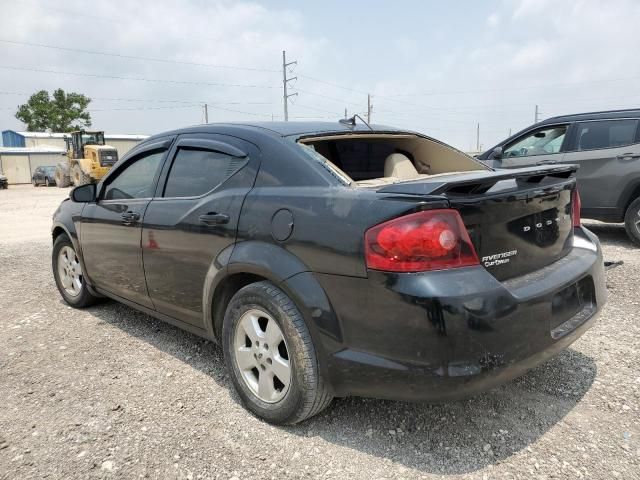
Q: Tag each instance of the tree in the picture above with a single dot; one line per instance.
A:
(62, 113)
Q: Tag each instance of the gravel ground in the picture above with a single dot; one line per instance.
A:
(111, 393)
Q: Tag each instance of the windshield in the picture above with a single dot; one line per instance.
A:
(96, 138)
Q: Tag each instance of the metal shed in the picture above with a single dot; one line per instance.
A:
(18, 164)
(11, 138)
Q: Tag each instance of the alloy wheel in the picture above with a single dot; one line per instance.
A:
(261, 355)
(69, 271)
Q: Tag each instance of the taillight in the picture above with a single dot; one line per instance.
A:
(428, 240)
(576, 204)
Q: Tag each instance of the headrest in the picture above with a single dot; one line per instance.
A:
(399, 165)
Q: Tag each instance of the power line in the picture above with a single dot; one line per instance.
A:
(138, 79)
(135, 109)
(327, 97)
(333, 84)
(180, 107)
(315, 79)
(309, 107)
(530, 87)
(137, 57)
(151, 100)
(174, 107)
(391, 97)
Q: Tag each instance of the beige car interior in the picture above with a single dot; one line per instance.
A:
(380, 159)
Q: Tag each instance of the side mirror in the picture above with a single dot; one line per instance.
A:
(497, 153)
(83, 193)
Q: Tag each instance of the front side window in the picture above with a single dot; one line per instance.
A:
(195, 172)
(137, 179)
(605, 134)
(541, 142)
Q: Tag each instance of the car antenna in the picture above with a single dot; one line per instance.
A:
(352, 121)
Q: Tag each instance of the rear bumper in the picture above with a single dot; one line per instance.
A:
(450, 334)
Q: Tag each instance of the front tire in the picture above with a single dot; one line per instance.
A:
(78, 176)
(46, 182)
(271, 357)
(68, 274)
(33, 182)
(632, 221)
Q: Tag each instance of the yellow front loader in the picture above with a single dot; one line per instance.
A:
(88, 159)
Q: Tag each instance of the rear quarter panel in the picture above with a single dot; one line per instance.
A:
(328, 223)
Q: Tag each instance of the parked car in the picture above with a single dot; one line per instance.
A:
(4, 181)
(333, 259)
(606, 146)
(44, 176)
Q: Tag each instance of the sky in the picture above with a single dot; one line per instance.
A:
(438, 67)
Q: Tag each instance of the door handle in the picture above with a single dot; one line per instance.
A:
(627, 156)
(129, 217)
(214, 219)
(546, 162)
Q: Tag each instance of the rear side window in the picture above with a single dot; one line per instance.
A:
(605, 134)
(195, 172)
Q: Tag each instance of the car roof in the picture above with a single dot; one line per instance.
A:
(282, 129)
(603, 115)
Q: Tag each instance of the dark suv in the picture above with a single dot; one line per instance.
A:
(606, 146)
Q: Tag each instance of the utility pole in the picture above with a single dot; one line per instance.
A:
(285, 82)
(206, 113)
(369, 108)
(537, 114)
(478, 138)
(345, 113)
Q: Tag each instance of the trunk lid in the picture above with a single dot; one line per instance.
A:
(519, 220)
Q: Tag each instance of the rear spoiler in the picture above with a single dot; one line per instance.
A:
(479, 181)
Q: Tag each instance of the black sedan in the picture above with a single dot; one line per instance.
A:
(337, 259)
(44, 176)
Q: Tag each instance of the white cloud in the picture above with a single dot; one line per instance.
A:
(213, 32)
(449, 78)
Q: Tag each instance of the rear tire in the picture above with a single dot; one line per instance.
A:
(283, 348)
(47, 183)
(68, 274)
(62, 175)
(632, 221)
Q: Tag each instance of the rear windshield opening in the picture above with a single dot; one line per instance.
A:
(372, 159)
